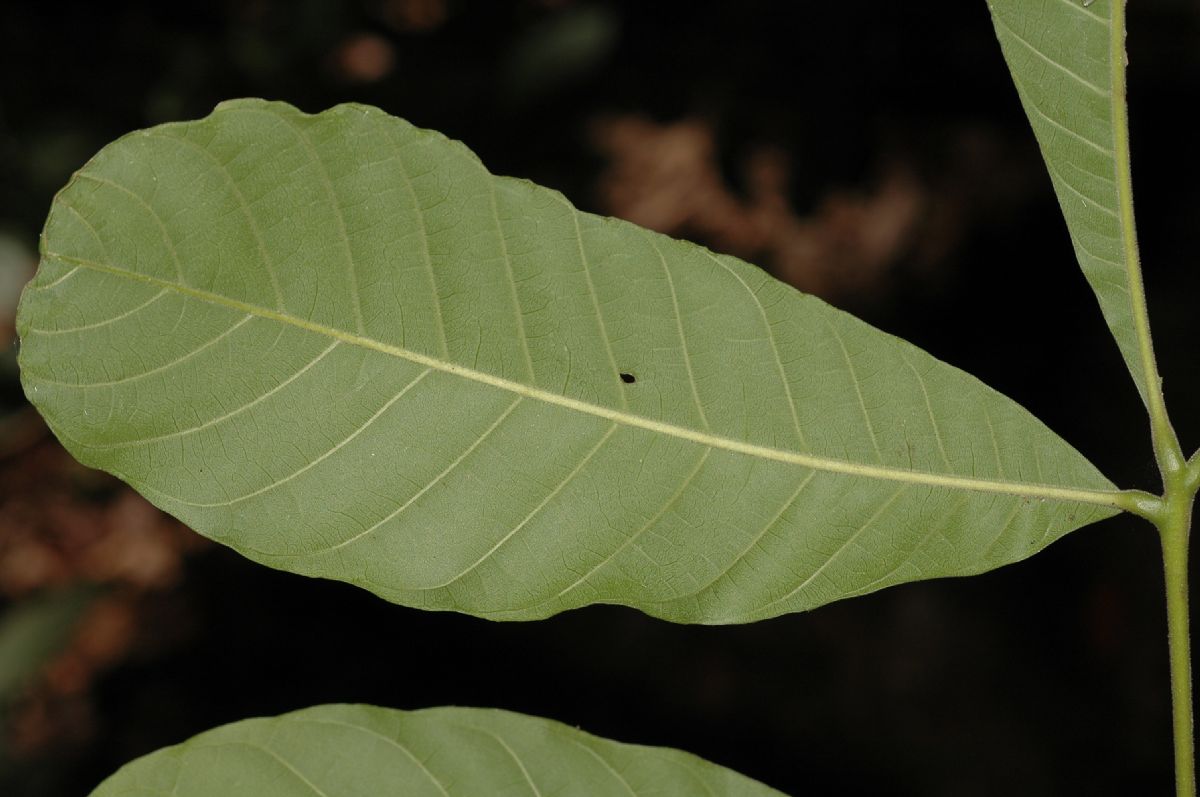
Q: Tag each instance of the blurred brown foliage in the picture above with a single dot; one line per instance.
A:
(61, 526)
(667, 177)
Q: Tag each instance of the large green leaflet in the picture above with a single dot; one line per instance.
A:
(1067, 60)
(364, 751)
(339, 345)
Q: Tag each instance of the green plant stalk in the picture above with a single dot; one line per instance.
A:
(1166, 445)
(1192, 476)
(1180, 478)
(1174, 527)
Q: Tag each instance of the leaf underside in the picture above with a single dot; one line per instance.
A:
(336, 343)
(1061, 54)
(364, 751)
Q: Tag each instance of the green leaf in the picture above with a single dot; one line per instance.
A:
(1067, 59)
(339, 345)
(364, 751)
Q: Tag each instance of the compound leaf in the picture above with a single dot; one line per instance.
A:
(339, 345)
(364, 751)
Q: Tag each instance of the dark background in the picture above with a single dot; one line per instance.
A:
(1045, 678)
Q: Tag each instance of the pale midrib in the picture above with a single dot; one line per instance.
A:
(1111, 498)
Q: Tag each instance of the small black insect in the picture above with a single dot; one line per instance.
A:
(628, 379)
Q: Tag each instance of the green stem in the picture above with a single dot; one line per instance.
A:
(1174, 528)
(1173, 516)
(1166, 444)
(1192, 477)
